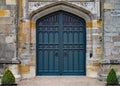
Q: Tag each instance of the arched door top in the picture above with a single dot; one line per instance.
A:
(64, 6)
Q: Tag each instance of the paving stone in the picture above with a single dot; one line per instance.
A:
(61, 81)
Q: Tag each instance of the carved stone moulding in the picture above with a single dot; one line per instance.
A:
(93, 7)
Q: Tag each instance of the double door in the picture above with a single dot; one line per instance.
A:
(61, 44)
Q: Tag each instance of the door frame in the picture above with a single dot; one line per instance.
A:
(61, 54)
(65, 6)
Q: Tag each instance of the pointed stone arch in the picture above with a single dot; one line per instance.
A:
(67, 7)
(61, 5)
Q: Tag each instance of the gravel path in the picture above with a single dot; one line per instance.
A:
(61, 81)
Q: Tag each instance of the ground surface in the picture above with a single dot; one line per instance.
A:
(61, 81)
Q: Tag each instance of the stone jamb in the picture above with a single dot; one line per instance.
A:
(61, 5)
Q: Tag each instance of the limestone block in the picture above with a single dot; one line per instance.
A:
(11, 2)
(88, 36)
(24, 69)
(92, 71)
(33, 25)
(89, 25)
(4, 13)
(33, 36)
(108, 44)
(32, 71)
(96, 30)
(22, 37)
(95, 38)
(24, 32)
(99, 24)
(2, 2)
(111, 34)
(14, 69)
(7, 52)
(110, 28)
(116, 43)
(10, 39)
(118, 29)
(108, 6)
(25, 59)
(99, 51)
(33, 58)
(6, 20)
(27, 31)
(116, 39)
(31, 74)
(115, 51)
(108, 51)
(108, 39)
(2, 69)
(94, 23)
(2, 39)
(7, 29)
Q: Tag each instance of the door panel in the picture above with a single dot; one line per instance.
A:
(60, 44)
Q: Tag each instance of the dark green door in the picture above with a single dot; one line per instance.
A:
(61, 44)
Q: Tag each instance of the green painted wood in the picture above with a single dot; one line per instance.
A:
(61, 44)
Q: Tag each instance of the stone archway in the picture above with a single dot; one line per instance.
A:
(64, 6)
(61, 5)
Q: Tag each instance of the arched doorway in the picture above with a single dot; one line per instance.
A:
(61, 44)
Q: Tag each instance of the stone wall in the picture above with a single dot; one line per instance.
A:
(16, 22)
(111, 39)
(27, 33)
(8, 33)
(18, 35)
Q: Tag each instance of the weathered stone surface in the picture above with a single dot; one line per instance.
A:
(97, 30)
(116, 43)
(118, 29)
(2, 2)
(14, 69)
(6, 20)
(2, 69)
(7, 52)
(33, 59)
(10, 39)
(116, 38)
(7, 29)
(4, 13)
(25, 57)
(108, 51)
(89, 25)
(31, 73)
(33, 35)
(111, 34)
(24, 69)
(2, 38)
(92, 71)
(108, 39)
(27, 35)
(110, 28)
(99, 51)
(11, 2)
(108, 6)
(115, 51)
